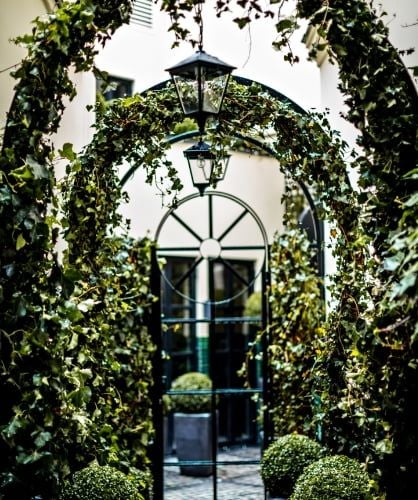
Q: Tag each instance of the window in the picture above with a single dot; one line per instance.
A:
(179, 340)
(142, 13)
(115, 87)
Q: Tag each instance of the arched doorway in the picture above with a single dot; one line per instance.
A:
(202, 326)
(184, 345)
(205, 283)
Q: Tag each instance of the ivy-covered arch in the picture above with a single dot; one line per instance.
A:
(139, 130)
(259, 146)
(254, 140)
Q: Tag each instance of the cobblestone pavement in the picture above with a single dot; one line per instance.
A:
(234, 481)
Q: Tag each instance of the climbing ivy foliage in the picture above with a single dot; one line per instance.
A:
(67, 400)
(372, 400)
(66, 37)
(76, 354)
(130, 130)
(368, 379)
(295, 334)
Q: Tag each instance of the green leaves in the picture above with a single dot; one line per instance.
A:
(392, 263)
(61, 329)
(48, 340)
(42, 438)
(20, 242)
(67, 152)
(295, 334)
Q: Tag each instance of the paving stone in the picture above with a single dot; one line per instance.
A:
(234, 481)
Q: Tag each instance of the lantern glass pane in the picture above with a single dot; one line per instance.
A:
(201, 170)
(188, 93)
(213, 92)
(219, 170)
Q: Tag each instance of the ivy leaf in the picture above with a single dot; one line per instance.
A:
(284, 24)
(22, 173)
(42, 439)
(20, 242)
(67, 152)
(242, 21)
(74, 341)
(39, 171)
(412, 174)
(5, 195)
(413, 200)
(72, 312)
(9, 270)
(392, 263)
(407, 282)
(384, 446)
(86, 305)
(80, 396)
(11, 429)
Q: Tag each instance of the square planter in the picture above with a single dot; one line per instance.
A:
(193, 438)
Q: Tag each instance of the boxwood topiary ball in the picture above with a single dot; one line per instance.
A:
(285, 459)
(333, 478)
(193, 403)
(100, 483)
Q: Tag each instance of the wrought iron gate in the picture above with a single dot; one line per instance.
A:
(230, 228)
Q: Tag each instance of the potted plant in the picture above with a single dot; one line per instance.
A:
(284, 460)
(102, 483)
(193, 423)
(333, 478)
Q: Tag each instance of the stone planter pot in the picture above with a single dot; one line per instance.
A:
(168, 439)
(193, 438)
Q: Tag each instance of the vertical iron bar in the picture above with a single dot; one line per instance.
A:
(321, 255)
(210, 209)
(266, 322)
(212, 366)
(157, 449)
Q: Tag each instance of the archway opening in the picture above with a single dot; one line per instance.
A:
(182, 347)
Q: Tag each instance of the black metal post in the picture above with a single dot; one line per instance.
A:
(210, 213)
(266, 321)
(157, 449)
(212, 367)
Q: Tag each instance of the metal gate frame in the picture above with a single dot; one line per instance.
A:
(157, 450)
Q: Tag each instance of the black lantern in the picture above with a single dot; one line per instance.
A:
(201, 81)
(205, 167)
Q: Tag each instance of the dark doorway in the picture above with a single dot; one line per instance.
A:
(179, 339)
(208, 331)
(236, 415)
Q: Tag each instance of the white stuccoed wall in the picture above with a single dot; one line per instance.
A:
(15, 20)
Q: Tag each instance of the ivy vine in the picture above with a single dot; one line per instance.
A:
(371, 358)
(297, 329)
(367, 370)
(75, 376)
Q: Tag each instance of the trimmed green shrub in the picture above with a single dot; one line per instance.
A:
(253, 305)
(101, 483)
(333, 478)
(285, 459)
(193, 403)
(143, 481)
